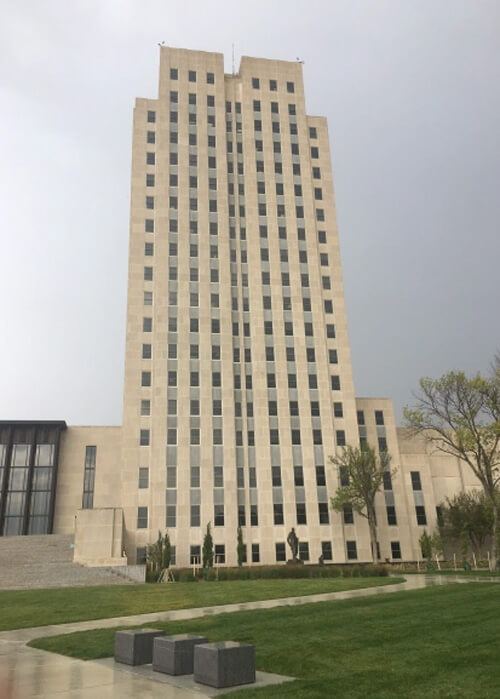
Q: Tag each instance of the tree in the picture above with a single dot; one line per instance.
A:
(461, 417)
(154, 553)
(240, 547)
(208, 549)
(363, 472)
(467, 518)
(430, 545)
(167, 551)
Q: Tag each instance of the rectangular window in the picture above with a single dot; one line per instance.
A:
(220, 553)
(142, 518)
(143, 477)
(219, 515)
(171, 519)
(278, 513)
(348, 515)
(338, 410)
(416, 483)
(255, 553)
(144, 438)
(303, 550)
(395, 550)
(379, 417)
(301, 513)
(326, 550)
(194, 516)
(391, 516)
(89, 478)
(421, 516)
(254, 516)
(352, 550)
(323, 513)
(387, 480)
(340, 435)
(280, 552)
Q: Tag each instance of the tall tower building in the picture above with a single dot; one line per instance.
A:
(238, 378)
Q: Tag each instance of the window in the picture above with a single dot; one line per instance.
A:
(421, 516)
(315, 412)
(151, 137)
(278, 513)
(140, 555)
(219, 553)
(338, 410)
(352, 550)
(172, 436)
(144, 438)
(382, 444)
(255, 83)
(172, 406)
(387, 480)
(320, 475)
(348, 515)
(147, 325)
(194, 518)
(292, 110)
(391, 516)
(343, 475)
(195, 554)
(314, 152)
(317, 437)
(151, 117)
(146, 378)
(326, 550)
(439, 516)
(254, 516)
(379, 417)
(395, 549)
(303, 550)
(192, 76)
(340, 436)
(290, 87)
(255, 553)
(89, 477)
(301, 513)
(174, 74)
(273, 86)
(171, 516)
(323, 515)
(210, 78)
(142, 518)
(361, 417)
(145, 407)
(274, 436)
(335, 383)
(280, 552)
(150, 180)
(218, 515)
(148, 274)
(416, 483)
(271, 381)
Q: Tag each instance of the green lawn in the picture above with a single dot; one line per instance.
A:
(25, 608)
(436, 642)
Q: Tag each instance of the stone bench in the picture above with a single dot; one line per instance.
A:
(135, 647)
(174, 655)
(224, 664)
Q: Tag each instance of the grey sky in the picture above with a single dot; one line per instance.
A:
(411, 90)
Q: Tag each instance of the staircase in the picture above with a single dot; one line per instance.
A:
(29, 562)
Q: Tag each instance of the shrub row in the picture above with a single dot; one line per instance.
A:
(276, 572)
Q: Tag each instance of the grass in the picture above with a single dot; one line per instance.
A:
(440, 642)
(24, 608)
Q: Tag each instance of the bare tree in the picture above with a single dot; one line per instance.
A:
(363, 472)
(461, 417)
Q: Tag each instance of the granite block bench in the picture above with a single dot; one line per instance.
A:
(224, 664)
(135, 647)
(174, 655)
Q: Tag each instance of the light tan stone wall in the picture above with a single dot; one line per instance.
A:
(107, 491)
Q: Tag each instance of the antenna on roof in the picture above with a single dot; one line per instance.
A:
(298, 59)
(232, 45)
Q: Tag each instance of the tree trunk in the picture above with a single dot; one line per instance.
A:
(493, 545)
(373, 533)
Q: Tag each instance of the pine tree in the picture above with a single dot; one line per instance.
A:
(208, 549)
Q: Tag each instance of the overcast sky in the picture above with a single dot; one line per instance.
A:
(411, 89)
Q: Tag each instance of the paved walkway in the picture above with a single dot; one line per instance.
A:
(26, 673)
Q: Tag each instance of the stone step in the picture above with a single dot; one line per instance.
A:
(28, 562)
